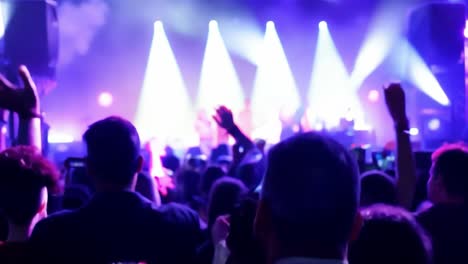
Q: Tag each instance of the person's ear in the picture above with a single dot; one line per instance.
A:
(439, 188)
(89, 169)
(42, 211)
(139, 164)
(357, 226)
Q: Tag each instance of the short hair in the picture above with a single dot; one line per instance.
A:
(312, 188)
(188, 182)
(24, 174)
(450, 162)
(209, 177)
(390, 235)
(113, 146)
(225, 195)
(376, 188)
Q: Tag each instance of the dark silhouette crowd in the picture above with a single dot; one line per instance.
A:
(304, 200)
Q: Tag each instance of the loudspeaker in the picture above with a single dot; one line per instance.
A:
(436, 32)
(32, 37)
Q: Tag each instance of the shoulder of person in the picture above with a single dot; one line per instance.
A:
(428, 217)
(178, 213)
(53, 224)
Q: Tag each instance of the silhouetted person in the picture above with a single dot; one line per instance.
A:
(376, 188)
(447, 220)
(390, 235)
(25, 181)
(243, 246)
(117, 225)
(170, 160)
(309, 201)
(209, 177)
(225, 195)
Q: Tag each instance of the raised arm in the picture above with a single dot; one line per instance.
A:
(23, 101)
(225, 119)
(405, 164)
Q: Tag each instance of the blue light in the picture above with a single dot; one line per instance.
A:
(323, 25)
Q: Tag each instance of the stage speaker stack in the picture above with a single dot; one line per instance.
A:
(31, 37)
(436, 32)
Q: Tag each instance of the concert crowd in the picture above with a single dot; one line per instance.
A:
(306, 200)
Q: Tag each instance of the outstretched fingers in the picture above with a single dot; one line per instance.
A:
(27, 80)
(6, 84)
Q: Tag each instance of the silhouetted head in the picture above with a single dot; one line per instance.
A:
(390, 235)
(114, 158)
(225, 195)
(211, 175)
(169, 151)
(448, 182)
(188, 182)
(376, 188)
(26, 176)
(309, 200)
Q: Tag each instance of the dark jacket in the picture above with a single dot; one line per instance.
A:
(119, 227)
(448, 227)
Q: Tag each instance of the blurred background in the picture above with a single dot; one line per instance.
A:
(165, 64)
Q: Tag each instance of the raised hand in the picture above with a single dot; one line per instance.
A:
(224, 118)
(24, 101)
(405, 165)
(165, 184)
(220, 229)
(396, 102)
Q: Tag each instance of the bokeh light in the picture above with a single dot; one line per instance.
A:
(105, 99)
(373, 96)
(433, 124)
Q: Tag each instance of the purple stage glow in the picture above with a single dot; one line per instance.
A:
(160, 79)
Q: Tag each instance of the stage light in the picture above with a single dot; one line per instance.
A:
(158, 25)
(414, 131)
(4, 16)
(219, 83)
(213, 24)
(330, 97)
(323, 25)
(433, 124)
(373, 96)
(384, 31)
(105, 99)
(59, 137)
(413, 68)
(164, 108)
(465, 32)
(274, 89)
(270, 25)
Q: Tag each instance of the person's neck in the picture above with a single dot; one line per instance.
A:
(19, 233)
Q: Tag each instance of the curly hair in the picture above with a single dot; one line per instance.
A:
(24, 172)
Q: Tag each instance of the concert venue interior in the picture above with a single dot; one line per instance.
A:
(312, 65)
